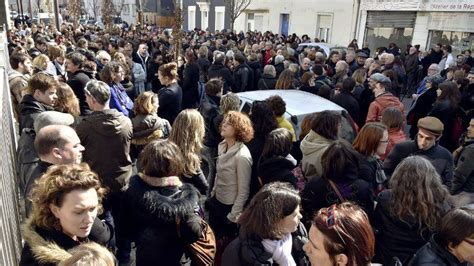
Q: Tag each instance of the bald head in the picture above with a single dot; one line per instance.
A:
(58, 144)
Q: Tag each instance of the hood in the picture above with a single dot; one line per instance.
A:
(107, 123)
(314, 142)
(162, 203)
(144, 125)
(44, 251)
(387, 99)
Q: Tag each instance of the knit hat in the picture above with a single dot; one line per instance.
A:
(52, 118)
(432, 125)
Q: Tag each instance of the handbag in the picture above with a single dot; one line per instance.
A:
(334, 187)
(203, 251)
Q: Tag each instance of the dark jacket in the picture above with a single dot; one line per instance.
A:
(432, 253)
(198, 180)
(279, 68)
(77, 81)
(221, 71)
(276, 169)
(394, 237)
(212, 115)
(150, 215)
(106, 136)
(421, 107)
(411, 63)
(170, 99)
(256, 68)
(248, 250)
(255, 147)
(364, 96)
(267, 82)
(347, 101)
(444, 111)
(242, 78)
(441, 159)
(38, 249)
(28, 109)
(204, 65)
(463, 179)
(190, 86)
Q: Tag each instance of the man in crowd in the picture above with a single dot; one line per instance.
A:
(242, 74)
(77, 78)
(379, 84)
(142, 56)
(360, 62)
(18, 76)
(219, 70)
(463, 179)
(433, 69)
(425, 144)
(41, 47)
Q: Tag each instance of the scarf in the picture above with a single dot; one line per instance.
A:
(280, 250)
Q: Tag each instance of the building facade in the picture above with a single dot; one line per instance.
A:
(423, 22)
(205, 14)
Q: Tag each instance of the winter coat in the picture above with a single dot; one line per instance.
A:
(420, 108)
(248, 250)
(147, 128)
(279, 68)
(382, 102)
(28, 109)
(233, 172)
(256, 68)
(49, 247)
(267, 82)
(212, 115)
(347, 101)
(139, 78)
(242, 78)
(318, 193)
(432, 253)
(395, 136)
(394, 237)
(444, 111)
(441, 159)
(204, 65)
(221, 71)
(313, 146)
(463, 179)
(170, 99)
(17, 82)
(106, 136)
(143, 61)
(150, 214)
(255, 147)
(411, 63)
(119, 99)
(77, 81)
(190, 86)
(365, 97)
(198, 180)
(275, 169)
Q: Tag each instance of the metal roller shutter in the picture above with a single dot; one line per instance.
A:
(388, 19)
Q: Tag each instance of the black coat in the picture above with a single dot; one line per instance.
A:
(267, 82)
(221, 71)
(279, 68)
(255, 147)
(257, 73)
(364, 96)
(432, 253)
(28, 109)
(347, 101)
(190, 86)
(204, 65)
(444, 111)
(150, 216)
(199, 181)
(242, 78)
(170, 99)
(276, 169)
(77, 81)
(463, 179)
(213, 117)
(420, 109)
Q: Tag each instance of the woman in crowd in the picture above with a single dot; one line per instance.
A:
(454, 242)
(340, 235)
(410, 211)
(56, 54)
(188, 133)
(134, 75)
(158, 210)
(66, 201)
(171, 94)
(268, 80)
(234, 168)
(339, 182)
(270, 230)
(371, 143)
(276, 163)
(307, 82)
(67, 101)
(190, 80)
(346, 99)
(113, 74)
(285, 80)
(147, 125)
(102, 59)
(263, 122)
(392, 118)
(324, 131)
(445, 109)
(40, 63)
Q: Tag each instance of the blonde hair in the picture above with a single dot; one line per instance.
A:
(103, 54)
(145, 103)
(40, 62)
(55, 51)
(188, 133)
(89, 254)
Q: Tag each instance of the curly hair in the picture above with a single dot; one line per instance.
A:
(67, 101)
(241, 124)
(277, 104)
(53, 186)
(262, 118)
(188, 133)
(418, 193)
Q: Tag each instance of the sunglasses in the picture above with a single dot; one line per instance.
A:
(331, 221)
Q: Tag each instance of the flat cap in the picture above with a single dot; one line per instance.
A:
(432, 125)
(362, 54)
(380, 78)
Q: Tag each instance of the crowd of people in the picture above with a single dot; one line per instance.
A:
(115, 129)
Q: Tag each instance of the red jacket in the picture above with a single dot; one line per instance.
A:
(394, 136)
(382, 102)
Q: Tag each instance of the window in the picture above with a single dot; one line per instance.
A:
(459, 41)
(324, 27)
(191, 17)
(250, 21)
(220, 16)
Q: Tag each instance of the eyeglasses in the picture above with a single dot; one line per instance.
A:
(384, 141)
(331, 221)
(469, 241)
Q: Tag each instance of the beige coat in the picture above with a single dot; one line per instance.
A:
(313, 146)
(234, 168)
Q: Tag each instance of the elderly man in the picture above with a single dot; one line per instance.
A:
(425, 144)
(380, 85)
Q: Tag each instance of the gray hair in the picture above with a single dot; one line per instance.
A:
(279, 59)
(99, 90)
(230, 102)
(269, 70)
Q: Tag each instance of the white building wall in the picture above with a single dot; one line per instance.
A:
(420, 32)
(303, 17)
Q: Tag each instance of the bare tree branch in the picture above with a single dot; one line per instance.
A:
(236, 7)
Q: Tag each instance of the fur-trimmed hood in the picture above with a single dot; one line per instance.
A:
(164, 203)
